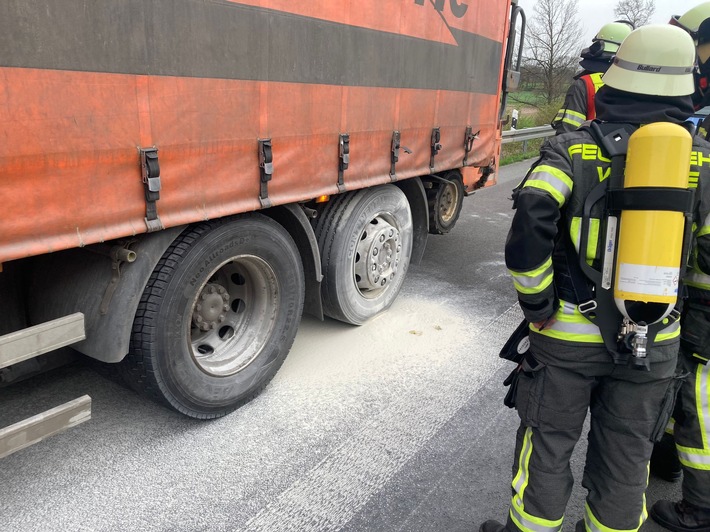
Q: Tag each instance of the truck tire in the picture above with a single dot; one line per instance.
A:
(365, 239)
(217, 317)
(445, 202)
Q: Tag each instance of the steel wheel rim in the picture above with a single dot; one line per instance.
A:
(378, 256)
(233, 315)
(448, 200)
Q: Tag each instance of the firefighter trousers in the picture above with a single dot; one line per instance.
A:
(692, 431)
(628, 409)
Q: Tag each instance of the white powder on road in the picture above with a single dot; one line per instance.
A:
(454, 362)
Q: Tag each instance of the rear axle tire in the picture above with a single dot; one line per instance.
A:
(365, 238)
(217, 317)
(445, 203)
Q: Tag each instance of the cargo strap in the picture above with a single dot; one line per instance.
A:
(150, 173)
(344, 156)
(396, 146)
(266, 169)
(435, 147)
(468, 140)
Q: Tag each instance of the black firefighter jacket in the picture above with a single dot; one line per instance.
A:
(549, 212)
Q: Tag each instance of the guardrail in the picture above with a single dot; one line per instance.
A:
(529, 133)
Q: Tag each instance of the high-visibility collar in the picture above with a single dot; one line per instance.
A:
(593, 82)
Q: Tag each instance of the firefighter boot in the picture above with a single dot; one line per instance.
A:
(492, 526)
(665, 463)
(681, 516)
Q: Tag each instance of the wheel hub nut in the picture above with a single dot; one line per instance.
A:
(210, 310)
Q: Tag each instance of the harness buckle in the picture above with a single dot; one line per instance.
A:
(587, 306)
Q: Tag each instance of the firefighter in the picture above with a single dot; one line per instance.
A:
(579, 100)
(664, 460)
(691, 430)
(572, 370)
(697, 23)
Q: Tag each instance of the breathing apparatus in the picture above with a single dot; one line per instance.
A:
(646, 201)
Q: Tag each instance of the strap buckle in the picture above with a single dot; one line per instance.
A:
(587, 306)
(674, 314)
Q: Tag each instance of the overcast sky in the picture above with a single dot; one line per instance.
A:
(593, 14)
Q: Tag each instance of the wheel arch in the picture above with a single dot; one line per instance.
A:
(292, 218)
(76, 281)
(416, 195)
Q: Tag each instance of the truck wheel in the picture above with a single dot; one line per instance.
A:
(445, 202)
(217, 317)
(365, 239)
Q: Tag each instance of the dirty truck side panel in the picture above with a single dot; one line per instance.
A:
(84, 85)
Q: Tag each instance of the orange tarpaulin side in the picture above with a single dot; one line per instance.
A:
(69, 162)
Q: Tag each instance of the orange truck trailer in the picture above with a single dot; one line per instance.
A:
(181, 179)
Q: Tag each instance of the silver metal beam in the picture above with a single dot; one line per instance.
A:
(34, 341)
(40, 427)
(529, 133)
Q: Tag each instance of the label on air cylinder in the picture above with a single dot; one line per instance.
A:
(649, 280)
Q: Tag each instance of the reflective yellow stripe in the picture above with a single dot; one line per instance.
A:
(572, 117)
(552, 180)
(697, 280)
(529, 523)
(700, 458)
(594, 525)
(571, 122)
(582, 116)
(670, 427)
(572, 326)
(694, 458)
(670, 332)
(575, 232)
(534, 281)
(520, 482)
(702, 400)
(596, 78)
(523, 520)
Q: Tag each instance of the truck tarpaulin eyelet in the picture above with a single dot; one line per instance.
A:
(150, 173)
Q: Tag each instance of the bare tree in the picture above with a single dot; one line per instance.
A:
(637, 11)
(553, 47)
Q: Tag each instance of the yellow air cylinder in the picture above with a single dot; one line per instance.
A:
(650, 243)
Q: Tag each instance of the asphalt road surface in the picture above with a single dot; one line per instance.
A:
(397, 425)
